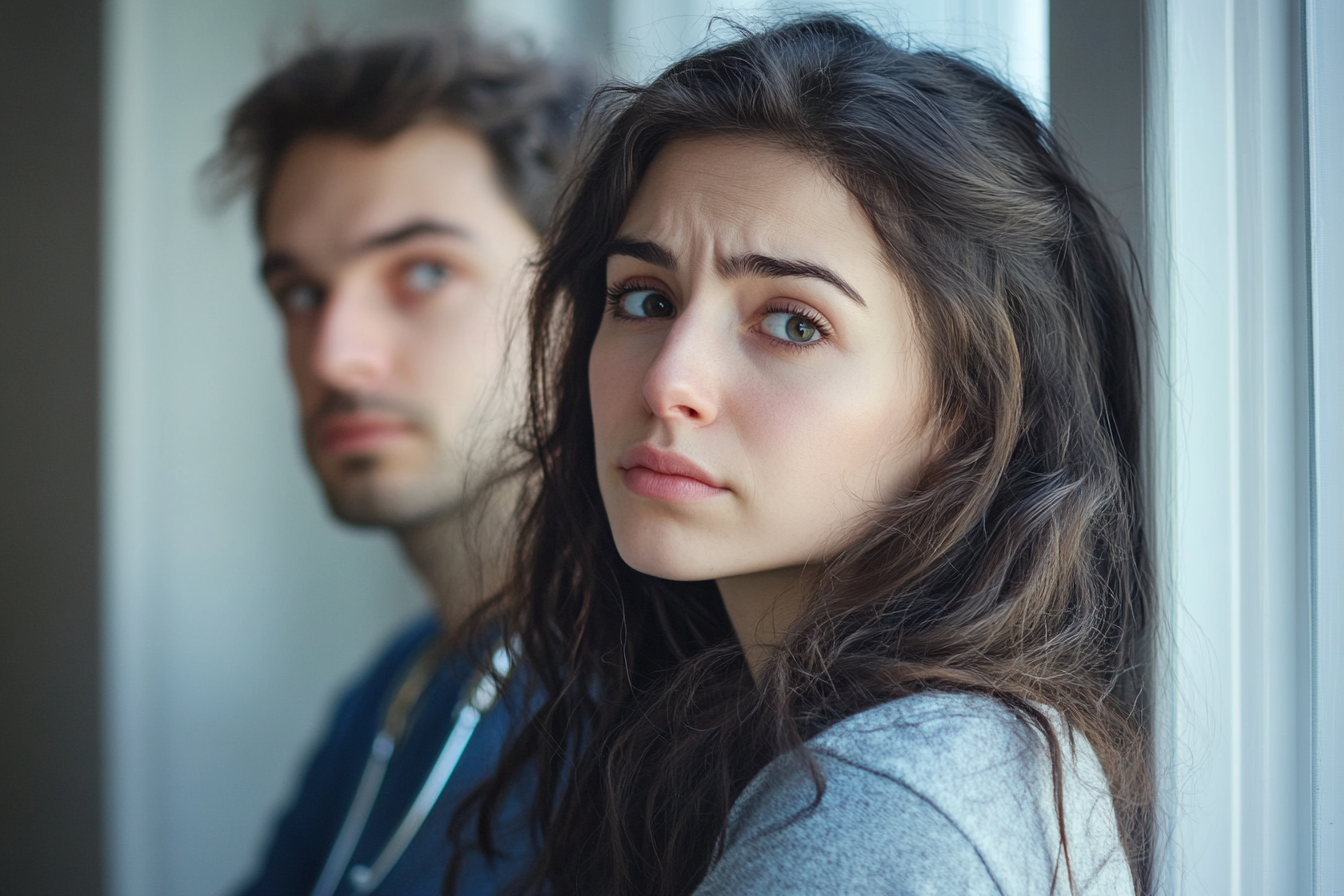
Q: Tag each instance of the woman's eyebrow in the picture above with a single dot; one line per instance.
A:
(769, 266)
(737, 266)
(643, 250)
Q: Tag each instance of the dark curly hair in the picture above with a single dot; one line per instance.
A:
(524, 107)
(1017, 567)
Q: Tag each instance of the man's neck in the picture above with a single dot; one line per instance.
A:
(460, 555)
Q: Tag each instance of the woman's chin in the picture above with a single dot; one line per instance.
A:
(666, 568)
(668, 558)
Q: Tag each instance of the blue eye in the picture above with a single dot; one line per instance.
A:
(791, 328)
(425, 276)
(646, 303)
(299, 298)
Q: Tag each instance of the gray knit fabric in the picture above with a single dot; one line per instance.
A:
(931, 794)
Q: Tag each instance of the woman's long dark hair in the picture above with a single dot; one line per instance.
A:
(1016, 567)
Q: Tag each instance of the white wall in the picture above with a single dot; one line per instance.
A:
(233, 606)
(643, 36)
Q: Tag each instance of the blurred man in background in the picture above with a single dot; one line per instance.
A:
(398, 190)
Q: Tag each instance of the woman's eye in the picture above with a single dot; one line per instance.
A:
(791, 328)
(300, 298)
(646, 303)
(425, 276)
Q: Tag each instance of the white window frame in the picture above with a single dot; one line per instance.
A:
(1247, 424)
(1324, 36)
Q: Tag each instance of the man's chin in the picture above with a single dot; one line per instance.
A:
(370, 500)
(381, 513)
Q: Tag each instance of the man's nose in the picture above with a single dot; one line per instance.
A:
(681, 383)
(353, 348)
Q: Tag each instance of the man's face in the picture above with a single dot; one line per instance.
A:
(398, 267)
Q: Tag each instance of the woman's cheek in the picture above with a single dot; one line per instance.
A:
(608, 378)
(793, 415)
(825, 445)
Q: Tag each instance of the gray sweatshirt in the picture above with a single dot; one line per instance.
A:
(931, 794)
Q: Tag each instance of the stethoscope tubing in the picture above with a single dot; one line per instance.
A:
(366, 878)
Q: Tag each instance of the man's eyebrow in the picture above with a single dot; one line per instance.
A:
(409, 231)
(277, 262)
(769, 266)
(273, 263)
(643, 250)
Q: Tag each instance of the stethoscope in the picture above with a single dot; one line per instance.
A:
(365, 878)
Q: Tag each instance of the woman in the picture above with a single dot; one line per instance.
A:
(835, 578)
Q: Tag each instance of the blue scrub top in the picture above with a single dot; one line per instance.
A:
(303, 837)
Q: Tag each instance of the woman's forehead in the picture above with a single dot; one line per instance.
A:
(747, 193)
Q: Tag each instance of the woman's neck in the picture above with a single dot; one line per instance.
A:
(762, 606)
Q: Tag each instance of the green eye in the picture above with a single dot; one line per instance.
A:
(791, 328)
(646, 303)
(425, 276)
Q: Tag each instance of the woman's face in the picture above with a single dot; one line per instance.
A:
(757, 382)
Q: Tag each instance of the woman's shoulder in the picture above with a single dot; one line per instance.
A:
(938, 740)
(931, 793)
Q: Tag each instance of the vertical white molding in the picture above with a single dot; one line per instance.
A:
(131, 710)
(1274, 821)
(1027, 23)
(1198, 325)
(1324, 37)
(1011, 36)
(1160, 458)
(1231, 501)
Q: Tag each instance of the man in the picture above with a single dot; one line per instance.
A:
(399, 188)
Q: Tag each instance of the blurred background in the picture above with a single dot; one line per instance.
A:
(177, 610)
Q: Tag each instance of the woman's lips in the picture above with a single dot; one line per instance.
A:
(666, 476)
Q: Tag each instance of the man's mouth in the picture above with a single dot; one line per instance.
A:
(359, 432)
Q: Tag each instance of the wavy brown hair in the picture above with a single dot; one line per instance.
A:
(1016, 567)
(521, 104)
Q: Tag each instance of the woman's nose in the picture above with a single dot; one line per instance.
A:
(681, 383)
